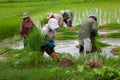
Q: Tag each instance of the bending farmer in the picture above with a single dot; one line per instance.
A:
(87, 33)
(67, 17)
(49, 32)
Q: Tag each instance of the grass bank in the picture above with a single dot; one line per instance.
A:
(116, 51)
(16, 67)
(111, 26)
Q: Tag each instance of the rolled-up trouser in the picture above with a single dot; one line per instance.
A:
(25, 42)
(86, 45)
(48, 47)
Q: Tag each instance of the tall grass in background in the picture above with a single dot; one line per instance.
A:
(11, 13)
(106, 11)
(9, 27)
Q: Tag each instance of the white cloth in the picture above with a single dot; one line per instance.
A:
(49, 35)
(53, 23)
(59, 18)
(86, 43)
(45, 30)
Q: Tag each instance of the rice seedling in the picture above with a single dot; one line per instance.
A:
(35, 40)
(113, 35)
(111, 26)
(116, 51)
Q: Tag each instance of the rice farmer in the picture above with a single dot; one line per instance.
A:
(67, 17)
(87, 34)
(56, 16)
(26, 26)
(49, 33)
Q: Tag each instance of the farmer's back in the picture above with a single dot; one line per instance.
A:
(86, 29)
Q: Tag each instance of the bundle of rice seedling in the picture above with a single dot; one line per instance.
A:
(35, 39)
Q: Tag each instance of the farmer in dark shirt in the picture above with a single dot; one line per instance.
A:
(87, 34)
(67, 17)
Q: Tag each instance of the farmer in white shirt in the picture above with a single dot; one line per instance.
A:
(49, 33)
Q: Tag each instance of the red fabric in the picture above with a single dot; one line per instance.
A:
(26, 27)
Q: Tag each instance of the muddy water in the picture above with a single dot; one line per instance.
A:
(18, 46)
(107, 32)
(1, 58)
(65, 46)
(68, 46)
(113, 42)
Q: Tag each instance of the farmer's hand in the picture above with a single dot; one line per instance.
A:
(77, 46)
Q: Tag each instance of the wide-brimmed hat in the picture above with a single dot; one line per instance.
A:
(25, 15)
(49, 15)
(94, 17)
(53, 23)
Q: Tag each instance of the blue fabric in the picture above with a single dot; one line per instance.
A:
(50, 43)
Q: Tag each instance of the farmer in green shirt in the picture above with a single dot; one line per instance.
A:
(87, 33)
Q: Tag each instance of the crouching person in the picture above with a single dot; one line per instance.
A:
(67, 17)
(49, 33)
(87, 34)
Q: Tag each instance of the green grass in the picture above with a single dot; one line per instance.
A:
(35, 39)
(113, 35)
(112, 26)
(116, 51)
(9, 28)
(103, 44)
(10, 16)
(11, 12)
(67, 34)
(50, 70)
(66, 37)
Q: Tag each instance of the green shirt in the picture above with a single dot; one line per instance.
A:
(88, 29)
